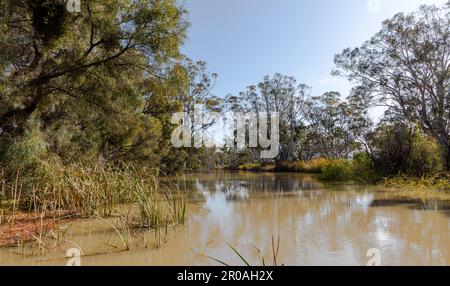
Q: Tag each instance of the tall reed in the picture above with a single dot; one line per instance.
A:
(98, 191)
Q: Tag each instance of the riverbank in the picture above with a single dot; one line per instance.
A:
(30, 208)
(26, 227)
(100, 194)
(360, 170)
(311, 217)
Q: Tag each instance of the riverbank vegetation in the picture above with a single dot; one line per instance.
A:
(86, 101)
(404, 69)
(81, 192)
(85, 106)
(401, 156)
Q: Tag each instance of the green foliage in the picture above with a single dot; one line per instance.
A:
(202, 159)
(50, 19)
(389, 147)
(337, 170)
(401, 149)
(28, 157)
(426, 156)
(406, 66)
(313, 166)
(78, 86)
(232, 158)
(363, 168)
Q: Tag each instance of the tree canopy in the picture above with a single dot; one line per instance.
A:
(406, 67)
(79, 84)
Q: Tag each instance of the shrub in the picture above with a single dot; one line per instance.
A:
(316, 165)
(363, 168)
(401, 149)
(426, 156)
(338, 170)
(28, 157)
(390, 146)
(313, 166)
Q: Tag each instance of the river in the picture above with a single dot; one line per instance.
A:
(311, 222)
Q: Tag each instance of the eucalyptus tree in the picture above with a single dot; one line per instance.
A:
(323, 117)
(406, 67)
(338, 125)
(280, 94)
(284, 95)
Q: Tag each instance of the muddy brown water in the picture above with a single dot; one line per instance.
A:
(315, 224)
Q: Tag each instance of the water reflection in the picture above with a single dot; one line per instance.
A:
(326, 225)
(318, 224)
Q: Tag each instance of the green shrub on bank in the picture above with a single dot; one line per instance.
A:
(337, 170)
(363, 169)
(426, 156)
(403, 149)
(313, 166)
(28, 157)
(360, 168)
(424, 166)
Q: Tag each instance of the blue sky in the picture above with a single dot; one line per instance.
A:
(243, 40)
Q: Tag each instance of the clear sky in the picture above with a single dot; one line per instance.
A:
(243, 40)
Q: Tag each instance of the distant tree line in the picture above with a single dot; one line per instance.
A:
(405, 68)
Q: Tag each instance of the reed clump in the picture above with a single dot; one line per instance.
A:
(78, 191)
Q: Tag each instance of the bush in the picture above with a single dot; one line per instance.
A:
(426, 156)
(28, 157)
(363, 168)
(313, 166)
(337, 170)
(401, 149)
